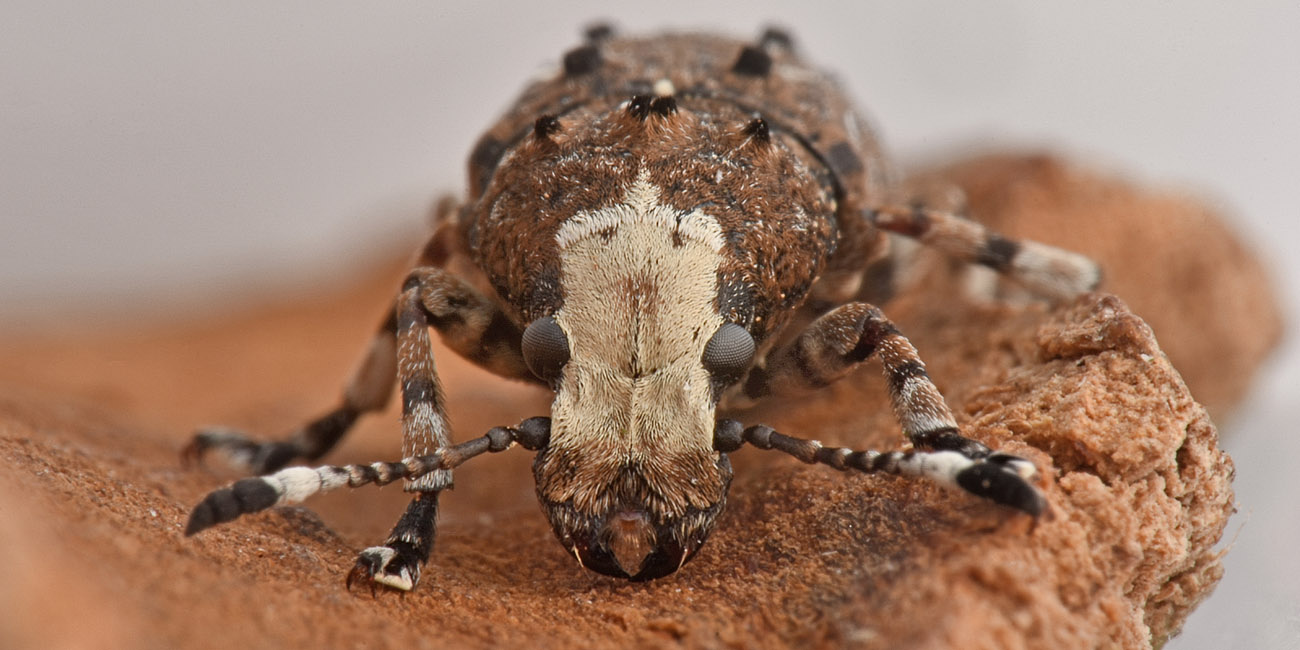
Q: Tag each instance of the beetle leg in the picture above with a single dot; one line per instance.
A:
(837, 342)
(396, 563)
(1048, 271)
(368, 390)
(469, 323)
(476, 328)
(827, 350)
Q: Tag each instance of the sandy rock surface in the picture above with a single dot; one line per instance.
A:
(94, 498)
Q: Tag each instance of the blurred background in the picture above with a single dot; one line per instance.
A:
(166, 160)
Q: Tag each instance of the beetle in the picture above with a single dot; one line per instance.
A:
(663, 229)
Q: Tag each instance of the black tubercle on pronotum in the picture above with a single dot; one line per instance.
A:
(753, 62)
(581, 60)
(663, 106)
(598, 33)
(545, 127)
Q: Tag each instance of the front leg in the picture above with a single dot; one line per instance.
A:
(837, 342)
(475, 327)
(396, 564)
(470, 324)
(367, 391)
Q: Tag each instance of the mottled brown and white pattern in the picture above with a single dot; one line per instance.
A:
(639, 233)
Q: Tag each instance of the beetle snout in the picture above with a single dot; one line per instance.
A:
(627, 544)
(637, 525)
(630, 538)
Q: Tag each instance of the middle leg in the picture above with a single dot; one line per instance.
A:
(841, 339)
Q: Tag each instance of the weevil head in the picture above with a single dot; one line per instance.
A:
(646, 249)
(637, 354)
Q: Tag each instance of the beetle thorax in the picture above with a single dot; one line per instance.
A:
(640, 304)
(632, 421)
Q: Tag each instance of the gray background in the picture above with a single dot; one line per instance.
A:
(164, 157)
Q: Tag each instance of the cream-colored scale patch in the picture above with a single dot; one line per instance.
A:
(640, 280)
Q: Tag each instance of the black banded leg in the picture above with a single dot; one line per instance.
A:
(839, 340)
(1046, 270)
(367, 390)
(472, 325)
(468, 322)
(396, 564)
(993, 477)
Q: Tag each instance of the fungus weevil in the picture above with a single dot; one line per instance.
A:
(638, 231)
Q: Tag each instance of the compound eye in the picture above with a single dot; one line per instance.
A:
(728, 354)
(545, 348)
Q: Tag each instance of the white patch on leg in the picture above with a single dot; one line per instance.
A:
(231, 443)
(402, 580)
(921, 408)
(915, 422)
(1019, 466)
(425, 418)
(1054, 272)
(939, 466)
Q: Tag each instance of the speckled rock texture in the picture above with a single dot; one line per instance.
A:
(94, 499)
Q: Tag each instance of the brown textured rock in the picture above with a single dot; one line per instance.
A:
(94, 500)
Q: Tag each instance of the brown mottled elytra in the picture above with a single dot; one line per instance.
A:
(639, 229)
